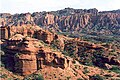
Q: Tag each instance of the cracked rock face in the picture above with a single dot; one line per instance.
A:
(31, 55)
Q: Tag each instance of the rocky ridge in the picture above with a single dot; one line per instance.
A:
(41, 50)
(32, 50)
(69, 20)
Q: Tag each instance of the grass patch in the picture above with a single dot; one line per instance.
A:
(96, 77)
(3, 76)
(115, 69)
(34, 77)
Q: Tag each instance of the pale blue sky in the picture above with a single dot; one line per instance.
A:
(23, 6)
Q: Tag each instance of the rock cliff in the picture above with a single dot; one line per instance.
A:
(30, 55)
(32, 46)
(69, 20)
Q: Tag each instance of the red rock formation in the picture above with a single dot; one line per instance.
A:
(25, 30)
(5, 32)
(31, 55)
(25, 58)
(25, 64)
(49, 18)
(69, 19)
(28, 17)
(44, 35)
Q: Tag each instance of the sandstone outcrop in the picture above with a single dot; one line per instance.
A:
(44, 35)
(30, 55)
(49, 19)
(90, 53)
(25, 30)
(30, 48)
(25, 57)
(4, 32)
(69, 20)
(55, 59)
(32, 31)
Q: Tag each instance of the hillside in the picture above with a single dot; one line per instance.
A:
(66, 44)
(70, 20)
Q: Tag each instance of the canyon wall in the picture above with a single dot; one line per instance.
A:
(69, 20)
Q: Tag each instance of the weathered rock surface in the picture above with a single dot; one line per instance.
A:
(29, 50)
(69, 20)
(31, 55)
(27, 54)
(25, 57)
(91, 54)
(45, 36)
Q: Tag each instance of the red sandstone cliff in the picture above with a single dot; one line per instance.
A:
(31, 49)
(69, 20)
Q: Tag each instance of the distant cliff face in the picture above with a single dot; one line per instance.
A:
(104, 23)
(69, 20)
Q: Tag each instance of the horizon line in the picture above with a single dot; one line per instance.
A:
(55, 10)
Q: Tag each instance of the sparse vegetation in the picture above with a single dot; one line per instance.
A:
(34, 77)
(90, 37)
(1, 64)
(68, 78)
(79, 79)
(96, 77)
(77, 67)
(115, 69)
(12, 79)
(86, 70)
(3, 76)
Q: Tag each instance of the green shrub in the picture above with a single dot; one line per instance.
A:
(39, 77)
(11, 79)
(27, 78)
(68, 78)
(34, 77)
(79, 79)
(85, 70)
(65, 53)
(115, 69)
(1, 64)
(3, 76)
(96, 77)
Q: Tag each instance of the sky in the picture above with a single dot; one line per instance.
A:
(24, 6)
